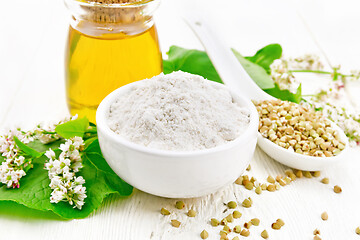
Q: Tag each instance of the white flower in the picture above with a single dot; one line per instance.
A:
(333, 102)
(11, 170)
(79, 204)
(78, 142)
(79, 180)
(354, 75)
(19, 160)
(20, 174)
(50, 154)
(76, 166)
(57, 196)
(75, 156)
(9, 183)
(64, 162)
(65, 146)
(306, 62)
(79, 189)
(55, 182)
(68, 176)
(282, 77)
(66, 186)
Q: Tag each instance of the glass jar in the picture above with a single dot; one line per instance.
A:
(109, 45)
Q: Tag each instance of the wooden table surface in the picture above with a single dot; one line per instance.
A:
(32, 41)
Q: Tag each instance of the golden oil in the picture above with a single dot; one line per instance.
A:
(97, 64)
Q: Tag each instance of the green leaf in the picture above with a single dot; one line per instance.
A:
(26, 149)
(90, 141)
(256, 72)
(93, 154)
(198, 62)
(285, 94)
(191, 61)
(73, 128)
(40, 147)
(101, 181)
(266, 56)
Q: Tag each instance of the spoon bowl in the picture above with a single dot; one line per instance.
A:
(301, 161)
(234, 75)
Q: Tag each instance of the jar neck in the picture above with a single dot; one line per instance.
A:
(95, 19)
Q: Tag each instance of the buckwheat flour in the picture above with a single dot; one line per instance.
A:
(179, 112)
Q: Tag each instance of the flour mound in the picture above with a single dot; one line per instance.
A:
(178, 112)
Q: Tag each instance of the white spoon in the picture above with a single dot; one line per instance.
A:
(234, 75)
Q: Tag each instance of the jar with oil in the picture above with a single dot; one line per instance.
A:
(111, 43)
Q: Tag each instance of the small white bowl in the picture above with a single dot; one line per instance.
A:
(176, 174)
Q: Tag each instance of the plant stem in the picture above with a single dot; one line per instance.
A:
(308, 95)
(91, 131)
(46, 132)
(311, 71)
(319, 72)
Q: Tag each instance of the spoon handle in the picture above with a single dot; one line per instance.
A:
(228, 67)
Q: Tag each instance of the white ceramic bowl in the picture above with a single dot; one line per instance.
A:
(176, 174)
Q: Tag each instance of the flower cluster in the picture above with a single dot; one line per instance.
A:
(46, 133)
(61, 171)
(282, 76)
(333, 104)
(354, 75)
(282, 70)
(306, 62)
(14, 166)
